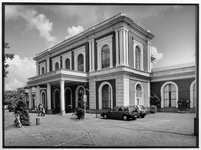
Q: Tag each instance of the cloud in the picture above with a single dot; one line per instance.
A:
(87, 15)
(73, 31)
(34, 21)
(19, 72)
(158, 56)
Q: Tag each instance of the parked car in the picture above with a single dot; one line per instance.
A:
(121, 112)
(142, 110)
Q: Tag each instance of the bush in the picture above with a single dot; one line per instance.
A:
(153, 109)
(183, 105)
(21, 113)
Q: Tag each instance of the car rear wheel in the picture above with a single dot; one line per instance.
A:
(125, 117)
(105, 116)
(142, 116)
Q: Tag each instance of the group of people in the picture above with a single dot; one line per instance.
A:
(41, 110)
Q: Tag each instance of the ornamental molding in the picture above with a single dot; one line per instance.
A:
(79, 50)
(105, 39)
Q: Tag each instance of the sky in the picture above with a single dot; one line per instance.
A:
(31, 29)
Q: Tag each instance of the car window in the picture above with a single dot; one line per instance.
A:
(132, 108)
(120, 109)
(141, 106)
(114, 109)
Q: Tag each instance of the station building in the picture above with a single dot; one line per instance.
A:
(110, 63)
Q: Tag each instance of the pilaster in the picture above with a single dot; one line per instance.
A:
(92, 94)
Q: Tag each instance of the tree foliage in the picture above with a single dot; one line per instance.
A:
(6, 56)
(12, 96)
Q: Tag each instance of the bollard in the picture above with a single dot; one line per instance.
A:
(37, 121)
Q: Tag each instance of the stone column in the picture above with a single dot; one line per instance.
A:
(48, 98)
(117, 47)
(127, 47)
(124, 46)
(37, 95)
(30, 98)
(121, 48)
(62, 97)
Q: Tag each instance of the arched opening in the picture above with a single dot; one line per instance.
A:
(193, 95)
(139, 94)
(80, 63)
(68, 100)
(105, 56)
(169, 95)
(105, 96)
(67, 63)
(79, 92)
(43, 96)
(56, 66)
(56, 101)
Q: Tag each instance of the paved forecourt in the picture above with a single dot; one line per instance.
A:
(155, 130)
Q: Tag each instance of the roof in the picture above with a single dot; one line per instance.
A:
(184, 65)
(95, 27)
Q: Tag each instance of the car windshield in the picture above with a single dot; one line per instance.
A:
(132, 108)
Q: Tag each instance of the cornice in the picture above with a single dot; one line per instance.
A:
(85, 36)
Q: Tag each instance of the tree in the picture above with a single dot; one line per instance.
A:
(6, 56)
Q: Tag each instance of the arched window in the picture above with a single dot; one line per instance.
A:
(43, 70)
(67, 63)
(106, 97)
(105, 56)
(80, 62)
(137, 58)
(56, 66)
(169, 95)
(138, 93)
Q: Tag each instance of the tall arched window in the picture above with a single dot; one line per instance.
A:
(80, 63)
(67, 63)
(105, 56)
(169, 95)
(106, 97)
(56, 66)
(137, 58)
(43, 70)
(138, 93)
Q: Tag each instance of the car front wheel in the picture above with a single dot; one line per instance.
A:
(105, 116)
(125, 117)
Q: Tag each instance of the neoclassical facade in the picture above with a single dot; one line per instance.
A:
(110, 63)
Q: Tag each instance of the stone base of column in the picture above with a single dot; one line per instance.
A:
(62, 112)
(49, 111)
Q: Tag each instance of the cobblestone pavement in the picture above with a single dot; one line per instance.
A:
(155, 130)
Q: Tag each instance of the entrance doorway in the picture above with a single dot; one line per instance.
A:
(170, 95)
(56, 101)
(68, 100)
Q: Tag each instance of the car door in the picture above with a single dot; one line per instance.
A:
(119, 113)
(112, 113)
